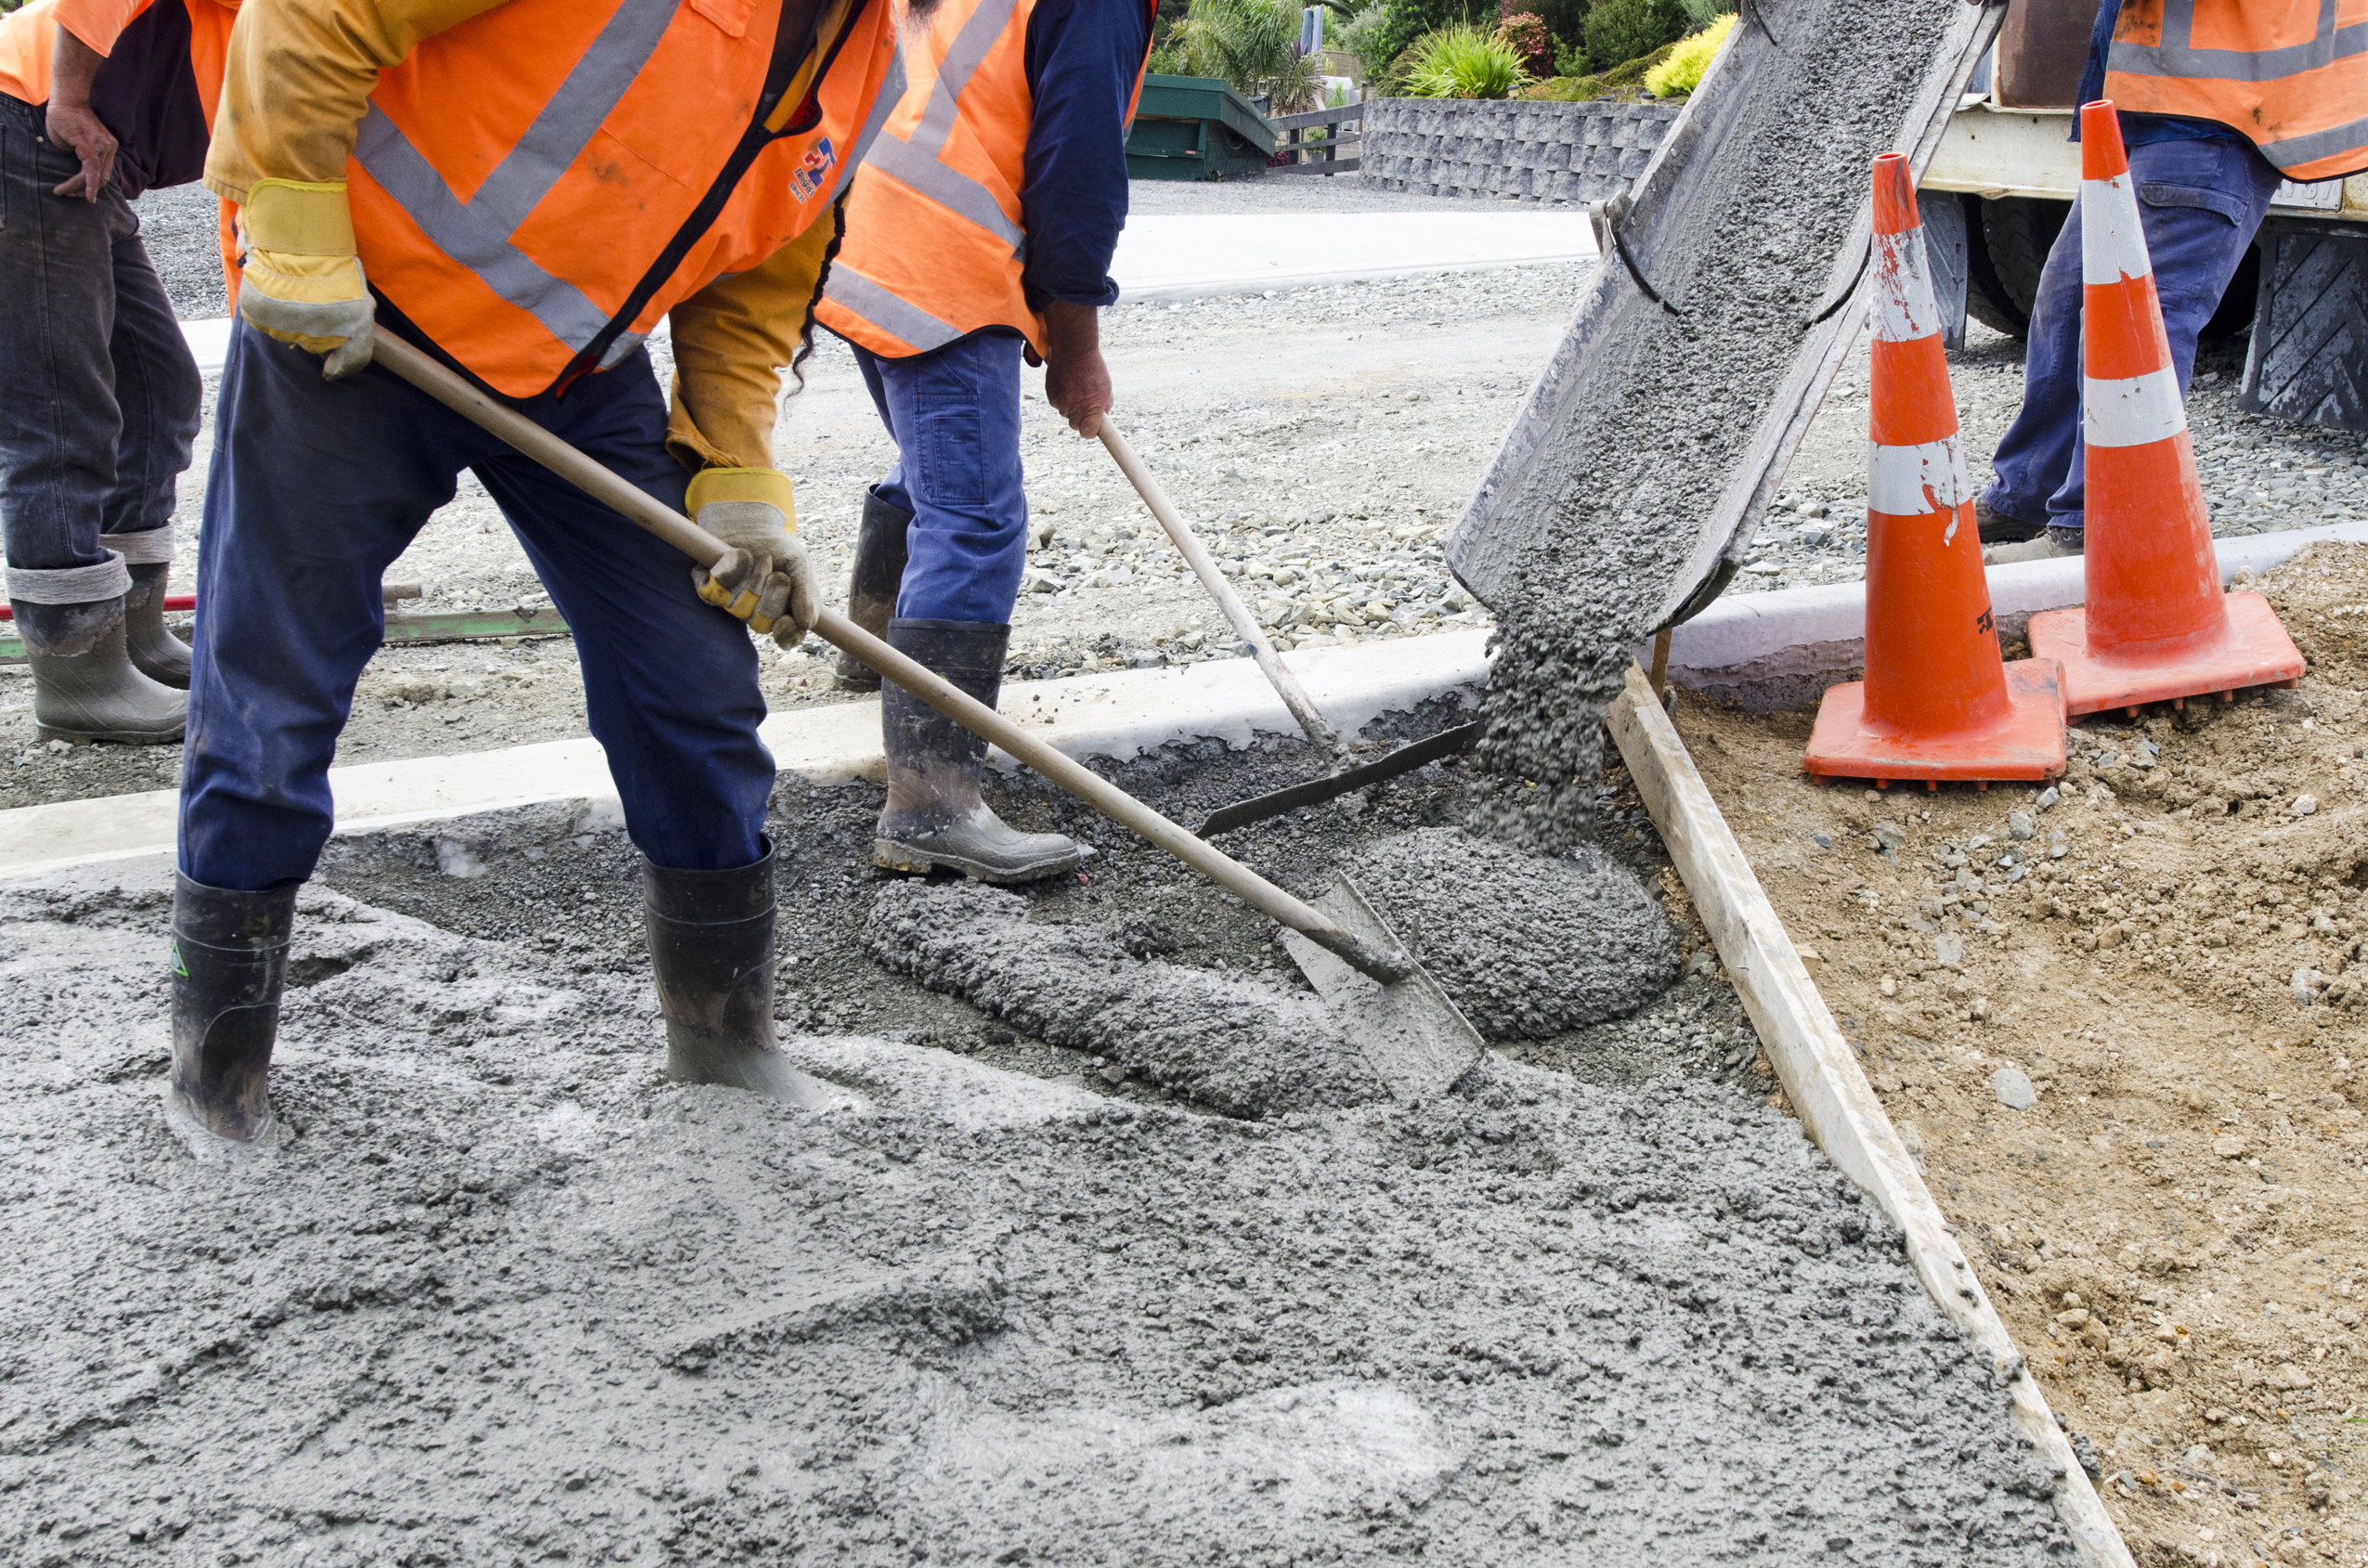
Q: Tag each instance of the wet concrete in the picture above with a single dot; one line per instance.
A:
(1626, 477)
(508, 1295)
(1530, 945)
(1232, 1045)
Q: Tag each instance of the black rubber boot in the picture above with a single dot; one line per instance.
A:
(156, 653)
(935, 818)
(873, 584)
(710, 949)
(229, 961)
(1996, 527)
(84, 685)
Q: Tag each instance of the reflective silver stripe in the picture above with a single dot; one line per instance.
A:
(476, 233)
(2176, 56)
(875, 305)
(567, 124)
(963, 58)
(947, 186)
(477, 242)
(2295, 151)
(891, 92)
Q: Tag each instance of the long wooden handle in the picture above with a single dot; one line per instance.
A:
(637, 506)
(1246, 626)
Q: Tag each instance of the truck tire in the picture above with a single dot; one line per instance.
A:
(2007, 242)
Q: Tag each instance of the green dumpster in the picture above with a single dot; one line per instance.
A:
(1193, 128)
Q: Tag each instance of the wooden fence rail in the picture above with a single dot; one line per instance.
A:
(1315, 142)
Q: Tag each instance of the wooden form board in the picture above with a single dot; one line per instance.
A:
(1829, 1090)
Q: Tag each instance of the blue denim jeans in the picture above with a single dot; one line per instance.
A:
(318, 485)
(955, 418)
(99, 398)
(2200, 203)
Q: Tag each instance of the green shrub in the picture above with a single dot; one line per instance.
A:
(1682, 71)
(1465, 62)
(1621, 31)
(1569, 59)
(1403, 21)
(1701, 13)
(1620, 85)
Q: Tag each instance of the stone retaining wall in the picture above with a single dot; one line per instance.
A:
(1531, 151)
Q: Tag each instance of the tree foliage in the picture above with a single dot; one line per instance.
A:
(1621, 31)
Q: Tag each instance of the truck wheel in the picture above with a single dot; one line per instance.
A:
(2006, 244)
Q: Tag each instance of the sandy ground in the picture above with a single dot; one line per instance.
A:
(2174, 1228)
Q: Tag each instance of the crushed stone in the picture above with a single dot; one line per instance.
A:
(508, 1294)
(1621, 479)
(1529, 945)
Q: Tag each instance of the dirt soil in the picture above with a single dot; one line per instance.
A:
(2124, 1022)
(507, 1295)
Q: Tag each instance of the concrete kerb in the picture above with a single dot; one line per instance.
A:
(1775, 651)
(1121, 715)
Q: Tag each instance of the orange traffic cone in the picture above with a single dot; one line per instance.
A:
(1939, 701)
(2157, 625)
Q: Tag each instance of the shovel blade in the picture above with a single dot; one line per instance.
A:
(1415, 1038)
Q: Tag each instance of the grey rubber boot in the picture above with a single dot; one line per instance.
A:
(710, 949)
(84, 685)
(935, 818)
(872, 585)
(229, 960)
(156, 653)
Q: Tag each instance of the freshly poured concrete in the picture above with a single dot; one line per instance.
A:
(507, 1294)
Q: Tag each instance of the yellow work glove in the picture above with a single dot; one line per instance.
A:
(765, 577)
(300, 280)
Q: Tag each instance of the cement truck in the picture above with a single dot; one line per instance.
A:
(2302, 294)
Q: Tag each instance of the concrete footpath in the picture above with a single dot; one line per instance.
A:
(1174, 257)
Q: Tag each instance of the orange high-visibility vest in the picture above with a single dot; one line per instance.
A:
(934, 247)
(537, 186)
(2291, 74)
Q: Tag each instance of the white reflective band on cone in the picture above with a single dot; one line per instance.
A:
(1905, 307)
(1913, 481)
(2136, 412)
(2112, 243)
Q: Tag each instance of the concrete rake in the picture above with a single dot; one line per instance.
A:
(1257, 808)
(1416, 1039)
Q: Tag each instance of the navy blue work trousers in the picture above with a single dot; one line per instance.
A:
(2200, 203)
(318, 485)
(100, 397)
(955, 417)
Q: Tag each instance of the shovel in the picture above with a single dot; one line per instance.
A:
(1413, 1036)
(1286, 685)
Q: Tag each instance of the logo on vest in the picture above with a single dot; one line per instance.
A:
(812, 169)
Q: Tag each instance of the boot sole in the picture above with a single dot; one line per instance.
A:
(856, 683)
(118, 737)
(889, 855)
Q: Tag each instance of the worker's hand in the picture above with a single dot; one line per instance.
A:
(1076, 382)
(300, 280)
(764, 579)
(73, 127)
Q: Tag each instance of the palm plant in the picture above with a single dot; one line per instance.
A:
(1253, 44)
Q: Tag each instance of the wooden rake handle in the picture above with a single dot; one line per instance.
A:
(704, 549)
(1246, 626)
